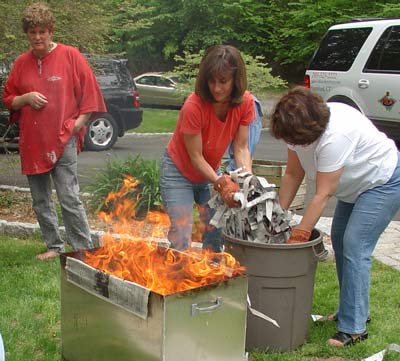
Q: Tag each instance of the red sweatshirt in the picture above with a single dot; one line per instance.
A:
(66, 79)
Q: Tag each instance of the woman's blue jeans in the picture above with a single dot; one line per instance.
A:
(178, 195)
(356, 229)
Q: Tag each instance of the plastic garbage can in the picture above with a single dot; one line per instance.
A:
(281, 285)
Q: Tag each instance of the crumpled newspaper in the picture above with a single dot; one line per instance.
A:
(259, 219)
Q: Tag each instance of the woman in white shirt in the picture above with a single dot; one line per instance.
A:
(347, 157)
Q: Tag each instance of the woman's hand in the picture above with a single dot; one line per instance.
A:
(227, 188)
(299, 235)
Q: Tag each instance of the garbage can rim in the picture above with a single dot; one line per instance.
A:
(316, 239)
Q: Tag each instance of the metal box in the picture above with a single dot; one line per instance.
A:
(105, 319)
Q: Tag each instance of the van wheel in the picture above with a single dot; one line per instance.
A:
(102, 133)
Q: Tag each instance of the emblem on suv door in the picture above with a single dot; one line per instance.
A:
(387, 101)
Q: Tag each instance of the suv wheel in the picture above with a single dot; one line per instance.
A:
(345, 100)
(101, 133)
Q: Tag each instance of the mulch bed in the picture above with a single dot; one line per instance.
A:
(16, 206)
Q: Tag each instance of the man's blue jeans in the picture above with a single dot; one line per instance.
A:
(178, 195)
(65, 178)
(356, 229)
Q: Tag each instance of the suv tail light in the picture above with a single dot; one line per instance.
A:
(136, 102)
(307, 82)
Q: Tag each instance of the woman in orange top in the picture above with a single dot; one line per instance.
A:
(218, 111)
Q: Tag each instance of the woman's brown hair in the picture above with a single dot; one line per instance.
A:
(300, 117)
(222, 60)
(38, 14)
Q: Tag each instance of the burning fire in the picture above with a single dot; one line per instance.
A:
(122, 220)
(162, 270)
(137, 256)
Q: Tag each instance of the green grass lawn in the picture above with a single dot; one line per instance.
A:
(157, 121)
(164, 120)
(30, 309)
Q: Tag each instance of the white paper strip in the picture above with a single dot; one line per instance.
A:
(264, 317)
(318, 318)
(381, 354)
(260, 314)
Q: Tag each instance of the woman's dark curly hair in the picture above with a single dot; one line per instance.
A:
(38, 14)
(222, 60)
(300, 117)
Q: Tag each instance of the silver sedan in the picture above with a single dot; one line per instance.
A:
(158, 90)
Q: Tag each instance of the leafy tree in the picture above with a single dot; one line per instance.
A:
(13, 41)
(130, 35)
(152, 32)
(284, 32)
(83, 24)
(299, 28)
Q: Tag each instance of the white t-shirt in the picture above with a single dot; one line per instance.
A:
(350, 141)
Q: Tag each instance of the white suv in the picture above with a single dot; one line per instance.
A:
(358, 63)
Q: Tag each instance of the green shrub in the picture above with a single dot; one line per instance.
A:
(146, 196)
(259, 76)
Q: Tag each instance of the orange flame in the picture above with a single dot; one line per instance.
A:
(162, 270)
(121, 218)
(138, 255)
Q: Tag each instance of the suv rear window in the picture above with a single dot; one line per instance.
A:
(385, 58)
(110, 72)
(339, 48)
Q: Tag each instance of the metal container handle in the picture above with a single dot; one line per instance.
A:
(215, 305)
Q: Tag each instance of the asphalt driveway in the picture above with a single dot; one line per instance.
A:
(148, 146)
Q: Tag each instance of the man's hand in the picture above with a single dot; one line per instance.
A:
(227, 188)
(36, 100)
(80, 122)
(299, 236)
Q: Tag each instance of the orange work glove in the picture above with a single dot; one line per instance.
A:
(227, 188)
(299, 235)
